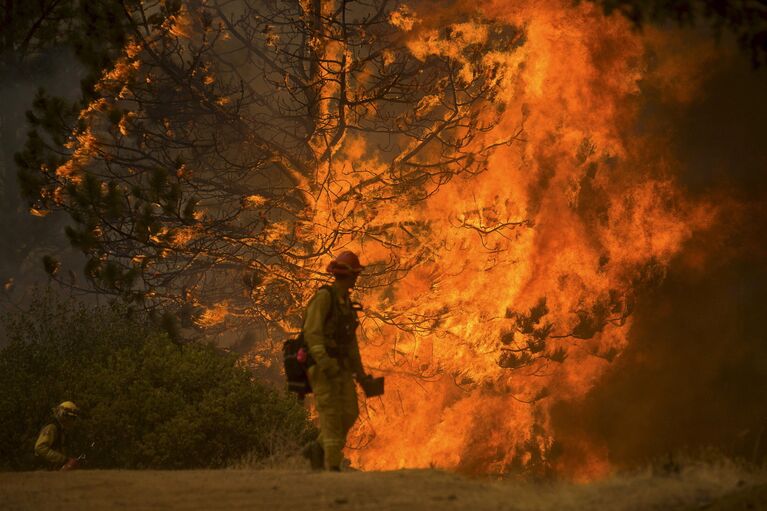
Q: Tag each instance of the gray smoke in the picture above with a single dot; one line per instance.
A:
(25, 238)
(695, 373)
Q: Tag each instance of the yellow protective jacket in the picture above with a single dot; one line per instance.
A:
(49, 445)
(322, 325)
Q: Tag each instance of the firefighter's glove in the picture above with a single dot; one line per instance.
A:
(71, 464)
(330, 367)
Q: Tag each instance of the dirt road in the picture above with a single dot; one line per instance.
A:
(402, 490)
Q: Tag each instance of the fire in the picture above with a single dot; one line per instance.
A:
(214, 315)
(561, 232)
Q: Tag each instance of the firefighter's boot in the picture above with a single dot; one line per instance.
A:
(314, 452)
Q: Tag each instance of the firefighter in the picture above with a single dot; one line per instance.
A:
(51, 443)
(330, 333)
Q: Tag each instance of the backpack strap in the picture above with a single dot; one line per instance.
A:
(333, 302)
(333, 306)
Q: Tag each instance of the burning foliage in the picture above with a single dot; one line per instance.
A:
(249, 139)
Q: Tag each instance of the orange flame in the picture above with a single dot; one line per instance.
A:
(581, 213)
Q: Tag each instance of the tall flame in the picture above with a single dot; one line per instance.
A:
(563, 229)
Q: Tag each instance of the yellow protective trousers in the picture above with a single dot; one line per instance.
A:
(336, 401)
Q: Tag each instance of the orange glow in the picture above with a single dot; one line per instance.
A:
(214, 315)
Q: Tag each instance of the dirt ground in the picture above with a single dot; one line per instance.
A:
(698, 488)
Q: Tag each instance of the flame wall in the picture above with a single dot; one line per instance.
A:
(593, 208)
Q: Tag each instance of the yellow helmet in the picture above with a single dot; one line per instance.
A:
(68, 408)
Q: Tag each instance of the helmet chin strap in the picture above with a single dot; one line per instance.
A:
(345, 282)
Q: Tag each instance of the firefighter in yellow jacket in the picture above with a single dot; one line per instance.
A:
(51, 442)
(330, 334)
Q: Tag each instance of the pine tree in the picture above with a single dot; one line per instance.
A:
(213, 153)
(36, 40)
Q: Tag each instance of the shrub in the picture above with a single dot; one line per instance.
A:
(148, 403)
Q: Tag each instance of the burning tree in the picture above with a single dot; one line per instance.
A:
(234, 143)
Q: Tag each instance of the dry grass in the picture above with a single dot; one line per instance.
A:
(283, 482)
(688, 484)
(282, 454)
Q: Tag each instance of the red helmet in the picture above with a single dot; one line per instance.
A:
(346, 264)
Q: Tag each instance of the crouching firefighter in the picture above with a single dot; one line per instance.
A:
(51, 442)
(329, 331)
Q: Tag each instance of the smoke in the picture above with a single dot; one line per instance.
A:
(26, 239)
(694, 371)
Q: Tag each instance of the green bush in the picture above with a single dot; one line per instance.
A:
(148, 403)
